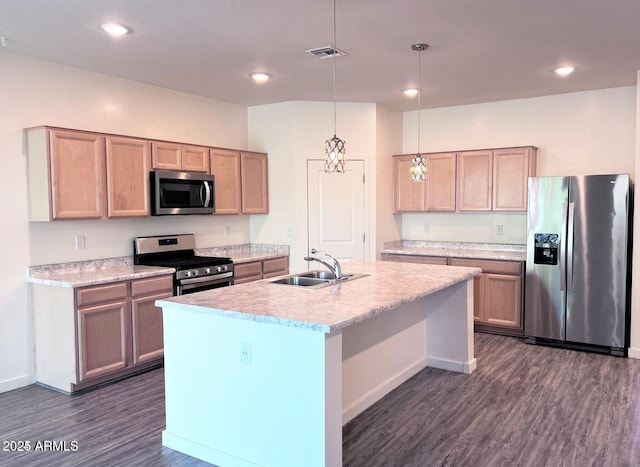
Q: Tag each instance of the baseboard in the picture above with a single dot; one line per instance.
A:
(377, 393)
(202, 452)
(16, 383)
(634, 353)
(460, 367)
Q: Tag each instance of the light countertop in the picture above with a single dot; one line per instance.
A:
(497, 251)
(387, 285)
(103, 271)
(86, 277)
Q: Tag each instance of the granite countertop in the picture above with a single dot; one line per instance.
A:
(102, 271)
(499, 251)
(246, 253)
(84, 273)
(386, 286)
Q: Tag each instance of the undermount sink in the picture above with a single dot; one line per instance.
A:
(315, 279)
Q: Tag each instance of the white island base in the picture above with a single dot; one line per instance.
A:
(244, 392)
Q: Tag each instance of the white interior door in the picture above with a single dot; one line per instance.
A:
(336, 210)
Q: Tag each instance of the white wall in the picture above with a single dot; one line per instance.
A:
(292, 133)
(38, 93)
(579, 133)
(388, 142)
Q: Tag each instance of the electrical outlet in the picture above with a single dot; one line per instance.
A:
(80, 242)
(227, 230)
(499, 229)
(245, 353)
(427, 227)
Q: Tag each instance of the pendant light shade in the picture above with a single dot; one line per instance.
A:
(419, 162)
(334, 155)
(334, 148)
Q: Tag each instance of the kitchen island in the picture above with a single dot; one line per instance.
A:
(267, 374)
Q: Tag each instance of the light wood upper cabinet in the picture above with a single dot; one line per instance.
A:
(254, 176)
(408, 196)
(174, 156)
(128, 166)
(195, 158)
(511, 169)
(475, 181)
(436, 194)
(441, 182)
(225, 166)
(77, 174)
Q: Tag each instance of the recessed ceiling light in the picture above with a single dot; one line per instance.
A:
(411, 92)
(114, 29)
(260, 76)
(564, 70)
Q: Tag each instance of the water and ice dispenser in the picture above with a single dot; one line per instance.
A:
(546, 249)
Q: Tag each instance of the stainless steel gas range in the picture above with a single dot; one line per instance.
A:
(193, 273)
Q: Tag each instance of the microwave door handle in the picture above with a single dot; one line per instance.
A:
(207, 194)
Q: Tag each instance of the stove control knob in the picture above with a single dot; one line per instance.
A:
(207, 270)
(195, 272)
(187, 274)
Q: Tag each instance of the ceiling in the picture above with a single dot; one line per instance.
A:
(479, 50)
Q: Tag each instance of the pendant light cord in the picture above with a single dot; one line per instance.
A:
(333, 62)
(419, 94)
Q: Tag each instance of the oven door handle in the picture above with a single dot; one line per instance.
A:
(212, 279)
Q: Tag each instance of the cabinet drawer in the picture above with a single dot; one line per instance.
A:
(513, 268)
(247, 269)
(101, 293)
(440, 260)
(275, 265)
(152, 285)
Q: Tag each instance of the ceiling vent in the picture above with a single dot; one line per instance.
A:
(326, 52)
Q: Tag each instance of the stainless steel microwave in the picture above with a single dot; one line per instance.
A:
(181, 193)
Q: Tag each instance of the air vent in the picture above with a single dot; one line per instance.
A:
(326, 52)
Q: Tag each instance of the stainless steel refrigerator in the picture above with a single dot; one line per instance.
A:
(577, 288)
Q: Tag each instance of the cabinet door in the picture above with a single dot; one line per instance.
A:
(503, 295)
(128, 165)
(102, 339)
(247, 272)
(408, 195)
(77, 174)
(146, 328)
(255, 191)
(475, 180)
(195, 159)
(479, 298)
(225, 166)
(441, 182)
(166, 156)
(511, 168)
(275, 267)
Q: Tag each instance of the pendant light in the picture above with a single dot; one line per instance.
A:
(419, 162)
(334, 147)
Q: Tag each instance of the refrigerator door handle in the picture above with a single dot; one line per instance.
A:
(563, 253)
(569, 266)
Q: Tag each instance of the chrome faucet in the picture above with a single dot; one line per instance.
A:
(336, 269)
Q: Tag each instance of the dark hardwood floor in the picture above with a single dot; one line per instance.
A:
(524, 406)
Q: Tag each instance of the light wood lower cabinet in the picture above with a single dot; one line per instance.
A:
(498, 300)
(497, 291)
(89, 335)
(257, 270)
